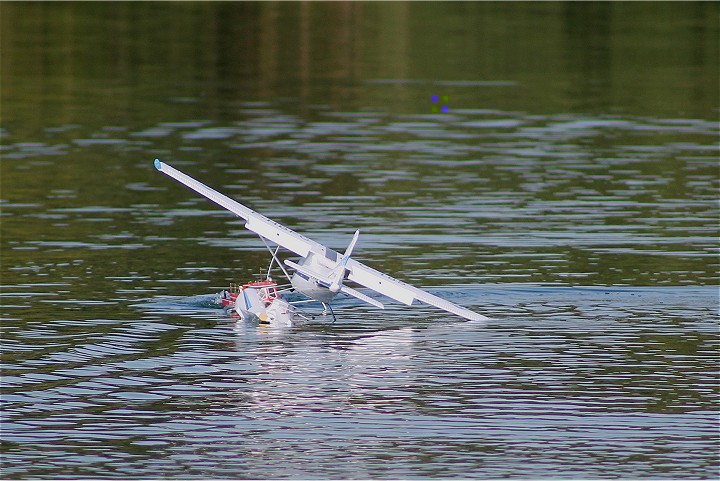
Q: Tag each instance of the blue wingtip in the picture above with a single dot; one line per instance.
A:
(158, 164)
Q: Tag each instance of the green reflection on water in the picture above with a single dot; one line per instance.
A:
(125, 63)
(102, 72)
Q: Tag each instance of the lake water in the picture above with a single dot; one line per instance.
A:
(569, 193)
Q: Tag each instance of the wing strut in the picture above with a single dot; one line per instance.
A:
(274, 259)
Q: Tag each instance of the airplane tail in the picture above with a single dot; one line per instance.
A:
(333, 279)
(338, 275)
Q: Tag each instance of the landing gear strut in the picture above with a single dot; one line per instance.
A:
(328, 308)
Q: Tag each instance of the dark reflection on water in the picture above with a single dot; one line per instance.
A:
(580, 154)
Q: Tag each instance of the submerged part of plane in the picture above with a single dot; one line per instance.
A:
(321, 272)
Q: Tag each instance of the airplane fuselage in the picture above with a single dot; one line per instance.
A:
(312, 288)
(317, 287)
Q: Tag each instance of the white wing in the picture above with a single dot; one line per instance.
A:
(301, 245)
(403, 292)
(258, 223)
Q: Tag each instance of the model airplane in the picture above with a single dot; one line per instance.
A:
(320, 274)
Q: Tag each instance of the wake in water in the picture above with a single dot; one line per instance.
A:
(346, 309)
(183, 304)
(204, 304)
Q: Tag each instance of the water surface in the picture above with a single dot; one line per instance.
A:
(570, 194)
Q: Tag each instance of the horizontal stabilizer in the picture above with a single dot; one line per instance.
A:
(361, 296)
